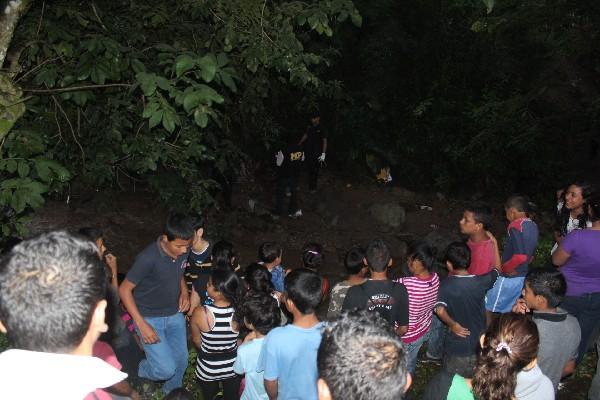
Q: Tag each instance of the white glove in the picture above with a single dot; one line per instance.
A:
(322, 158)
(279, 158)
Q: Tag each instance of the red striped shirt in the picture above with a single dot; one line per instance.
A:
(422, 295)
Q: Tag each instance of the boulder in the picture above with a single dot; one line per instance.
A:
(440, 239)
(390, 215)
(404, 195)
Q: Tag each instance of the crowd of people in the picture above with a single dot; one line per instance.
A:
(500, 328)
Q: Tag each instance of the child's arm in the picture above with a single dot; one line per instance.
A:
(498, 260)
(454, 326)
(123, 389)
(271, 388)
(111, 263)
(198, 323)
(194, 301)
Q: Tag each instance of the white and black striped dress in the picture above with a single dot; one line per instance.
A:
(219, 347)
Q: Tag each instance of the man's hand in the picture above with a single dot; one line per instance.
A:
(184, 301)
(149, 335)
(520, 307)
(279, 158)
(322, 158)
(459, 331)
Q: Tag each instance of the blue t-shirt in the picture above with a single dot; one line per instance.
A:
(289, 355)
(277, 276)
(245, 363)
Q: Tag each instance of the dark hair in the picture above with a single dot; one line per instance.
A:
(223, 254)
(198, 222)
(564, 213)
(269, 251)
(49, 288)
(179, 393)
(594, 205)
(378, 255)
(521, 204)
(510, 344)
(258, 278)
(179, 226)
(225, 281)
(312, 255)
(91, 233)
(354, 260)
(361, 358)
(459, 255)
(548, 283)
(482, 214)
(262, 311)
(422, 251)
(304, 288)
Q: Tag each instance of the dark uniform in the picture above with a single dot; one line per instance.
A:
(287, 176)
(313, 147)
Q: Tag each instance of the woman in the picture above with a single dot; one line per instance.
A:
(572, 212)
(578, 257)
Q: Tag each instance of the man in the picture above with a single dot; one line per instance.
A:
(315, 148)
(362, 358)
(52, 305)
(155, 294)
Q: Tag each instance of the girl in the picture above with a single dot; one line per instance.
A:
(422, 289)
(572, 210)
(519, 248)
(506, 368)
(215, 334)
(312, 259)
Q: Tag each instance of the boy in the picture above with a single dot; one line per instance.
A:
(200, 252)
(379, 294)
(460, 305)
(485, 255)
(261, 314)
(155, 294)
(269, 254)
(559, 331)
(52, 304)
(357, 271)
(361, 358)
(289, 354)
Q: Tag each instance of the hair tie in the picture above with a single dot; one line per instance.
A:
(312, 252)
(503, 346)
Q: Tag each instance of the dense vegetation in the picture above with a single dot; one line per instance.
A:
(184, 96)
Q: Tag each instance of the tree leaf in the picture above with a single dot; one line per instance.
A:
(11, 166)
(147, 82)
(200, 118)
(208, 65)
(155, 118)
(23, 169)
(183, 64)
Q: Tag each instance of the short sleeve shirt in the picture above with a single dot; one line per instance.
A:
(157, 280)
(483, 257)
(388, 299)
(197, 264)
(245, 364)
(582, 269)
(463, 297)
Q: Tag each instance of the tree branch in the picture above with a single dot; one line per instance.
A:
(76, 88)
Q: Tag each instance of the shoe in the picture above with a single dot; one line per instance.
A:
(297, 214)
(288, 192)
(429, 358)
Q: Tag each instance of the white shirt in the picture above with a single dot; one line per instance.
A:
(35, 375)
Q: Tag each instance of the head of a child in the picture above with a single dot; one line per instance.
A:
(544, 288)
(378, 256)
(518, 206)
(198, 227)
(312, 256)
(178, 234)
(476, 219)
(224, 284)
(258, 279)
(303, 292)
(52, 290)
(223, 255)
(261, 312)
(361, 339)
(594, 205)
(270, 253)
(421, 257)
(354, 262)
(458, 256)
(94, 235)
(509, 345)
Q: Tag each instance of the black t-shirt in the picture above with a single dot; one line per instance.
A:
(463, 296)
(293, 157)
(438, 387)
(197, 265)
(388, 299)
(157, 279)
(313, 146)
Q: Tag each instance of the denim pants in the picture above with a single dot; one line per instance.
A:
(166, 360)
(413, 352)
(437, 335)
(586, 308)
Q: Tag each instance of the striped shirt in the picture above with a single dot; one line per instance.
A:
(422, 295)
(219, 347)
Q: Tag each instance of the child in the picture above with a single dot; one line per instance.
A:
(261, 314)
(122, 389)
(357, 270)
(379, 294)
(215, 334)
(97, 236)
(559, 331)
(269, 253)
(199, 254)
(422, 288)
(460, 306)
(312, 259)
(475, 223)
(289, 353)
(518, 252)
(506, 368)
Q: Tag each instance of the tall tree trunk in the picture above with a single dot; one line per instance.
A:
(10, 15)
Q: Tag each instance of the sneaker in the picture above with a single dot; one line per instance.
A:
(297, 214)
(288, 192)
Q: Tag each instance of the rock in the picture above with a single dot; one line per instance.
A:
(390, 215)
(440, 196)
(440, 239)
(404, 195)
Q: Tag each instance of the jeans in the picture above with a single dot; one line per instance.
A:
(413, 351)
(437, 334)
(586, 308)
(166, 360)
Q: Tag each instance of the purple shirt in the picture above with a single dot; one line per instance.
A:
(582, 269)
